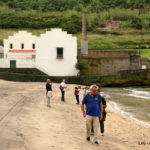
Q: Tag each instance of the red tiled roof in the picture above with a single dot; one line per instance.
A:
(18, 51)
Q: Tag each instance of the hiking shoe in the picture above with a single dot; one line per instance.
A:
(96, 143)
(88, 139)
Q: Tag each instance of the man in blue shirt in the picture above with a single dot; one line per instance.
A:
(93, 113)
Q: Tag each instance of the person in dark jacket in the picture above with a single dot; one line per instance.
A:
(48, 92)
(76, 93)
(103, 114)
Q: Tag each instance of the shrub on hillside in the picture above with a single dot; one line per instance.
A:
(81, 65)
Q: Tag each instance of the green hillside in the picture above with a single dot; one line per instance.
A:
(66, 14)
(63, 5)
(110, 24)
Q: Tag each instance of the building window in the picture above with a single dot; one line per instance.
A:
(11, 46)
(22, 46)
(33, 46)
(60, 52)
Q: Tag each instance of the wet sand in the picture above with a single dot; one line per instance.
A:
(27, 124)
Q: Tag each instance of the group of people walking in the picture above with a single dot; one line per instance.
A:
(49, 91)
(93, 107)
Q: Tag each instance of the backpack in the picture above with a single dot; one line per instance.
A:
(61, 87)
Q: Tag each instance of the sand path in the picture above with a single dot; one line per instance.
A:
(27, 124)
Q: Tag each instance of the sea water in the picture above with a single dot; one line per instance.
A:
(131, 102)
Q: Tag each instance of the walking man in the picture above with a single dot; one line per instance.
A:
(93, 113)
(103, 114)
(62, 89)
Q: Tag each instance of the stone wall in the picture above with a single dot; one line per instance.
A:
(27, 71)
(141, 72)
(112, 53)
(110, 62)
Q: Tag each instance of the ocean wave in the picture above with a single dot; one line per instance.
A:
(115, 106)
(137, 93)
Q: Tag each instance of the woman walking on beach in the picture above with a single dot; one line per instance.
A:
(76, 93)
(48, 92)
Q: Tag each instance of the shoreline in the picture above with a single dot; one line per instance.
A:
(136, 95)
(116, 109)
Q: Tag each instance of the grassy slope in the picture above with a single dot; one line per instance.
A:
(130, 38)
(145, 53)
(124, 39)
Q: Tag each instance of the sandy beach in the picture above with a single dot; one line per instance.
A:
(27, 124)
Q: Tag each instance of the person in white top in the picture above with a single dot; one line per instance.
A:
(62, 88)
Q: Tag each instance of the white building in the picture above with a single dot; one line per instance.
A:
(19, 50)
(57, 53)
(54, 52)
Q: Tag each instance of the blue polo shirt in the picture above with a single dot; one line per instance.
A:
(92, 104)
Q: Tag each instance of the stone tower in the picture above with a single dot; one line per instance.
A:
(84, 41)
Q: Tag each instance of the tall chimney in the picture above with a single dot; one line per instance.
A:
(84, 41)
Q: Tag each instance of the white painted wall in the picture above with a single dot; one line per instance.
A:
(46, 55)
(2, 64)
(17, 39)
(23, 59)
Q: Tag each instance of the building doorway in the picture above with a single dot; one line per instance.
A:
(12, 63)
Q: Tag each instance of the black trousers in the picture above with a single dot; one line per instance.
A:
(77, 98)
(102, 126)
(101, 123)
(62, 95)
